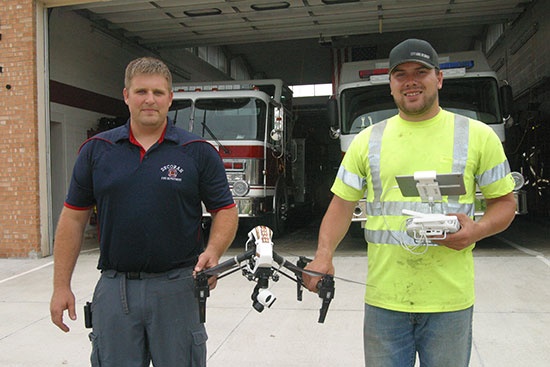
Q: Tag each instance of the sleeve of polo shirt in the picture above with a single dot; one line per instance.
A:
(350, 182)
(214, 188)
(81, 191)
(494, 178)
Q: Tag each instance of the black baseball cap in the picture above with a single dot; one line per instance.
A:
(414, 50)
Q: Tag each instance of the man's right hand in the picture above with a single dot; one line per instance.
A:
(62, 300)
(334, 227)
(319, 266)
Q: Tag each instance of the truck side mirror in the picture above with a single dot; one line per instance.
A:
(507, 100)
(332, 112)
(277, 133)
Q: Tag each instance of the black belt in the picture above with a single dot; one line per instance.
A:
(138, 275)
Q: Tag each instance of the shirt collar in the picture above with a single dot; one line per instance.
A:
(170, 133)
(127, 133)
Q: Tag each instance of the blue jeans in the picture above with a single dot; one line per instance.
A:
(392, 339)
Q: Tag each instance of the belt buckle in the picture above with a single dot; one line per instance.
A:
(133, 275)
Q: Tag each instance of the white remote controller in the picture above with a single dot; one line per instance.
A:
(435, 226)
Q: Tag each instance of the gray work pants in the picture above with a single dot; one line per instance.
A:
(153, 319)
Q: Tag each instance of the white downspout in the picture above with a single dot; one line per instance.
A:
(43, 123)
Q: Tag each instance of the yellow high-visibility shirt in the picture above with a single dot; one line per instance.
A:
(439, 279)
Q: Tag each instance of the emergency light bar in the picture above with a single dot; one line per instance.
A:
(454, 73)
(368, 73)
(213, 88)
(375, 75)
(457, 64)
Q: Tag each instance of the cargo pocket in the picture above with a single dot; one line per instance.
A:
(94, 357)
(198, 352)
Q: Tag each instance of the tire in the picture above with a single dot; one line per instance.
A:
(356, 231)
(277, 220)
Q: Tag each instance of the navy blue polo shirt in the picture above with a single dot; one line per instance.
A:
(148, 203)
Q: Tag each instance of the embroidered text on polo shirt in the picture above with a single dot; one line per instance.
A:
(171, 172)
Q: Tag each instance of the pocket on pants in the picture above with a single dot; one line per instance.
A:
(198, 352)
(94, 357)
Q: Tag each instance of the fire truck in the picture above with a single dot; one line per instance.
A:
(470, 88)
(250, 122)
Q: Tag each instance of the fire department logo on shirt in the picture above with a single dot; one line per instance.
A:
(171, 172)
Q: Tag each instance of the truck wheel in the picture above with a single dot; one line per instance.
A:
(277, 220)
(356, 231)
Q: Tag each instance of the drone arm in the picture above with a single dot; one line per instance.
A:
(296, 269)
(202, 288)
(228, 264)
(325, 286)
(281, 261)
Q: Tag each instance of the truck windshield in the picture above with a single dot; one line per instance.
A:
(224, 118)
(476, 98)
(364, 106)
(180, 113)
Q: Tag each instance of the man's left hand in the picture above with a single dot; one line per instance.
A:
(464, 237)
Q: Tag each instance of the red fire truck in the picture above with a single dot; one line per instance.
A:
(250, 122)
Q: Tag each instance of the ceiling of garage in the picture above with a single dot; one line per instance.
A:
(292, 39)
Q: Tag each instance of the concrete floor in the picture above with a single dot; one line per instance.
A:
(511, 316)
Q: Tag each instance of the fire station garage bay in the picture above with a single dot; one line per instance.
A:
(278, 87)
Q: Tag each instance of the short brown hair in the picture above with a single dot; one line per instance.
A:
(147, 65)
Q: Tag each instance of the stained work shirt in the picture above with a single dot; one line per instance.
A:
(148, 203)
(441, 279)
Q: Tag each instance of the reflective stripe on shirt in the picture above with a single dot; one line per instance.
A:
(350, 179)
(379, 208)
(494, 174)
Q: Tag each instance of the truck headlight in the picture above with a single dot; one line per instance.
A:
(240, 188)
(518, 179)
(231, 177)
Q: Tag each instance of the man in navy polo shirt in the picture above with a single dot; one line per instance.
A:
(147, 179)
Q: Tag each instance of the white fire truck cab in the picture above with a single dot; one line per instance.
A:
(250, 123)
(470, 88)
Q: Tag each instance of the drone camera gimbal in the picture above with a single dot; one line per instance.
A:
(259, 267)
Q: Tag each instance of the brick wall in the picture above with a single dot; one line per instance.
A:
(19, 194)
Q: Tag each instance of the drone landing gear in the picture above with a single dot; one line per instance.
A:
(325, 287)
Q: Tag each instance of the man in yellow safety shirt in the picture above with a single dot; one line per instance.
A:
(417, 301)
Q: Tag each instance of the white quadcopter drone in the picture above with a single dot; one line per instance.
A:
(260, 267)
